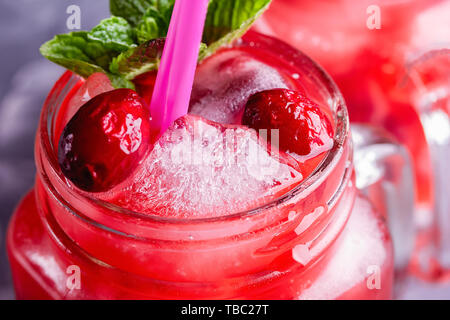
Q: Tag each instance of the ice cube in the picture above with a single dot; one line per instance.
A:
(199, 168)
(225, 81)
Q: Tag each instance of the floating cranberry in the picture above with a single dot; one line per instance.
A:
(303, 127)
(105, 140)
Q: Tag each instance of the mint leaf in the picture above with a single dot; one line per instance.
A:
(155, 22)
(84, 52)
(114, 34)
(76, 52)
(151, 27)
(203, 52)
(118, 81)
(133, 10)
(150, 18)
(141, 59)
(228, 20)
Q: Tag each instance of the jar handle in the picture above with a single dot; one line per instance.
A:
(432, 100)
(384, 174)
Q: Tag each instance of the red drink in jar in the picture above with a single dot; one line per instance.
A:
(301, 232)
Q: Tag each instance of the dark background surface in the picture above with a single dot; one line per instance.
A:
(25, 80)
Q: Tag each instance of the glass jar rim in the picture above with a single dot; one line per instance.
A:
(337, 105)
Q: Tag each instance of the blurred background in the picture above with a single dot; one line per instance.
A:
(25, 79)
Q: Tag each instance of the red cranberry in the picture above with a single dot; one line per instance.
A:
(303, 127)
(105, 140)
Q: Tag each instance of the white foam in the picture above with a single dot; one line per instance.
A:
(224, 83)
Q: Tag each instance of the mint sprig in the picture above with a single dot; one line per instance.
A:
(130, 42)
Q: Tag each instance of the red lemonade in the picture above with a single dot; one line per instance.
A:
(208, 225)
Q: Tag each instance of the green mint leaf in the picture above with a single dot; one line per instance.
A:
(203, 52)
(134, 10)
(150, 27)
(84, 54)
(155, 22)
(118, 81)
(114, 33)
(77, 53)
(144, 58)
(131, 10)
(150, 18)
(228, 20)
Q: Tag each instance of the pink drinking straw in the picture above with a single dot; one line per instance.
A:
(175, 77)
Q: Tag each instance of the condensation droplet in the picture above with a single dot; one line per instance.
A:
(309, 219)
